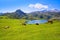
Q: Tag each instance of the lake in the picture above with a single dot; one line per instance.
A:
(36, 21)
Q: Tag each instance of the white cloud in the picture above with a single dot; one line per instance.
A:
(38, 6)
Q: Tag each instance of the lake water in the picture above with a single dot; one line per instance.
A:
(36, 21)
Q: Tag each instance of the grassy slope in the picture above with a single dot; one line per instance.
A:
(17, 31)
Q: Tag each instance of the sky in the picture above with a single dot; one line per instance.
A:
(28, 5)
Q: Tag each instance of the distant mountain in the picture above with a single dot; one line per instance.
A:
(20, 13)
(17, 14)
(45, 13)
(1, 14)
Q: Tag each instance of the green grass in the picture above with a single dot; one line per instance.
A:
(17, 31)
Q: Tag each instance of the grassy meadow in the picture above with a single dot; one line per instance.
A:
(17, 31)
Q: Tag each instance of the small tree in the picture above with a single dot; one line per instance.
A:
(48, 17)
(41, 16)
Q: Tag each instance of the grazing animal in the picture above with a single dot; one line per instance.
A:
(24, 24)
(6, 27)
(50, 21)
(37, 23)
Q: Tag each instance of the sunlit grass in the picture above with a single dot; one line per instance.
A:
(17, 31)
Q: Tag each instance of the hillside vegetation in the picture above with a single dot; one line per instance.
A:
(17, 31)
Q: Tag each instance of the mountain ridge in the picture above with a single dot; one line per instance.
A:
(36, 14)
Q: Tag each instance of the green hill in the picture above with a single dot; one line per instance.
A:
(17, 31)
